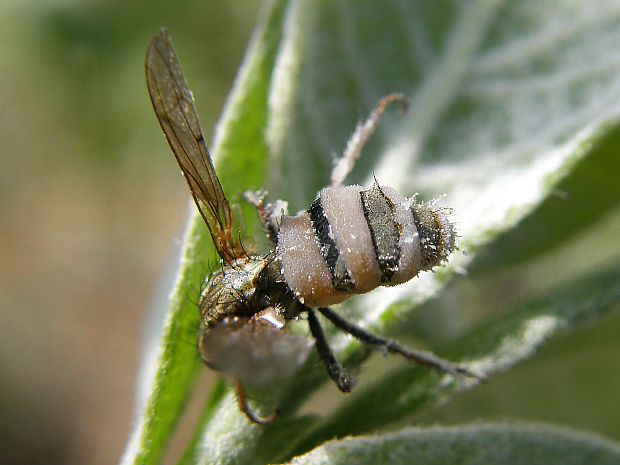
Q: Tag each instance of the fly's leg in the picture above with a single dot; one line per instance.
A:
(245, 408)
(391, 346)
(363, 131)
(269, 214)
(334, 369)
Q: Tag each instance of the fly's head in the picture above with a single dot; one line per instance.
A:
(244, 308)
(241, 291)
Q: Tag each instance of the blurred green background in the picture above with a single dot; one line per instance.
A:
(93, 208)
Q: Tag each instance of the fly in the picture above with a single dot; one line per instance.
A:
(349, 241)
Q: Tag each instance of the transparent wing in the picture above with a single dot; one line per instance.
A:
(174, 106)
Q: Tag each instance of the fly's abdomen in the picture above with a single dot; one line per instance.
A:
(351, 241)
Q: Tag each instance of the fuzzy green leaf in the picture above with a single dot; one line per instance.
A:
(515, 444)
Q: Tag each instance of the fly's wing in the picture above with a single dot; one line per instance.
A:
(174, 106)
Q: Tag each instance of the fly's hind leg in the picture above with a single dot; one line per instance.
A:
(269, 214)
(334, 369)
(364, 129)
(391, 346)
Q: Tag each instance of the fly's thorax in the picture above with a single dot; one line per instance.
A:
(233, 290)
(352, 240)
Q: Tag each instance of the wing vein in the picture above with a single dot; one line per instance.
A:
(173, 103)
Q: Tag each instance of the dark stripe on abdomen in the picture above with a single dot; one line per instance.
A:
(379, 213)
(341, 279)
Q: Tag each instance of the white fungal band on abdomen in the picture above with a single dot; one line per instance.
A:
(303, 266)
(348, 228)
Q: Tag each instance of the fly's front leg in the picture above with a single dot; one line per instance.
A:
(344, 164)
(389, 345)
(269, 214)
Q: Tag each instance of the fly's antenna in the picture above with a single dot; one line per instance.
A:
(363, 131)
